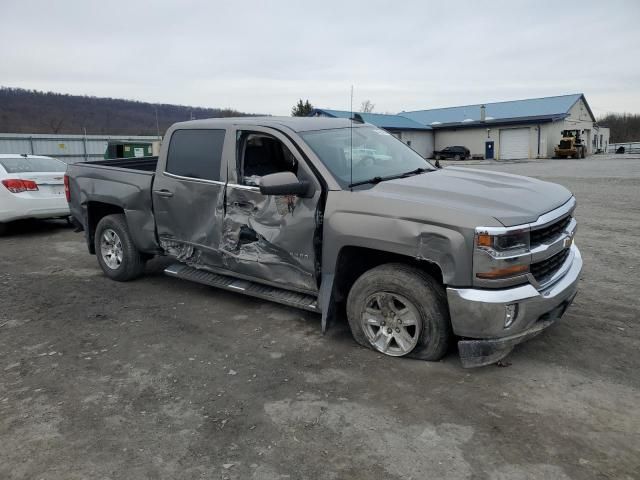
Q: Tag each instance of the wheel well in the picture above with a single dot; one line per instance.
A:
(96, 211)
(354, 261)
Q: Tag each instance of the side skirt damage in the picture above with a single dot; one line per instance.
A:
(254, 289)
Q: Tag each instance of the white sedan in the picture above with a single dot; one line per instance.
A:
(31, 186)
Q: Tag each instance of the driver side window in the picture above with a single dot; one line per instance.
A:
(260, 154)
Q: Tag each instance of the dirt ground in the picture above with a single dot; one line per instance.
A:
(165, 379)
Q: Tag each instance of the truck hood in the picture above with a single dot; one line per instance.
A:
(510, 199)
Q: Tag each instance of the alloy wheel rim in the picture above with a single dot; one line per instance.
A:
(391, 323)
(111, 249)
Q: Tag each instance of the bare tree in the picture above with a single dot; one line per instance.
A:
(56, 124)
(367, 106)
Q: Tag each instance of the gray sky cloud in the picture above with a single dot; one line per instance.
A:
(259, 56)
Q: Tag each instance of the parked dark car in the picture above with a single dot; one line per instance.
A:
(456, 153)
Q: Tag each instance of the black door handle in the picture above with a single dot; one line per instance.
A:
(164, 193)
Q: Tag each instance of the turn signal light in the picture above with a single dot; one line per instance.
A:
(15, 185)
(503, 272)
(485, 240)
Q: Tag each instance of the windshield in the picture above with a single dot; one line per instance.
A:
(375, 153)
(24, 165)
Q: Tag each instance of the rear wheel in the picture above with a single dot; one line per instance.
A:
(3, 228)
(117, 255)
(400, 311)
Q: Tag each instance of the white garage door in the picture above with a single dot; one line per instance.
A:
(514, 143)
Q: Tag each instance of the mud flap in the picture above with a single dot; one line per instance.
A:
(325, 301)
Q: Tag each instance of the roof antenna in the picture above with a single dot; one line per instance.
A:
(351, 134)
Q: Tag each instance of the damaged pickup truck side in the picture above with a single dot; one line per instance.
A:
(281, 209)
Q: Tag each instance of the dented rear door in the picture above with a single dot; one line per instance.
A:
(188, 195)
(270, 237)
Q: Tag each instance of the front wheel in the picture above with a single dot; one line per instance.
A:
(456, 157)
(400, 311)
(117, 255)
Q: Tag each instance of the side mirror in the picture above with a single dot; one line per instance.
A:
(285, 183)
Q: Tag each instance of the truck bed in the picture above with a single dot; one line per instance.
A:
(145, 164)
(122, 183)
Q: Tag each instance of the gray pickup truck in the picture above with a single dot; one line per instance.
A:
(277, 208)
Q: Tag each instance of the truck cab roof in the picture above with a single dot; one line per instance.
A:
(297, 124)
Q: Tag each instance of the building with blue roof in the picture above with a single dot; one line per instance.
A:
(532, 109)
(528, 128)
(388, 122)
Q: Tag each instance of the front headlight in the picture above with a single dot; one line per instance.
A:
(501, 253)
(503, 245)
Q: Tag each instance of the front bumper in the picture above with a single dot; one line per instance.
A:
(479, 315)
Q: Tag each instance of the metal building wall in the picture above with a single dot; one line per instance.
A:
(68, 148)
(421, 141)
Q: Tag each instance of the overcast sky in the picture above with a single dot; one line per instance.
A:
(262, 56)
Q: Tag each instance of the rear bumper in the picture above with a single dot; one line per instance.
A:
(45, 208)
(479, 315)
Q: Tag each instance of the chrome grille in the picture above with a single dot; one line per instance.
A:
(542, 271)
(549, 232)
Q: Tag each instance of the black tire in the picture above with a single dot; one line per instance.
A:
(584, 153)
(427, 296)
(3, 229)
(456, 157)
(132, 263)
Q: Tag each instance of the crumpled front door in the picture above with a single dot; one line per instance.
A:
(270, 237)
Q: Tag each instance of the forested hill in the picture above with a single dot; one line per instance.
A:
(31, 111)
(625, 127)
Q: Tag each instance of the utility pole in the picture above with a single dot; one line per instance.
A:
(157, 123)
(86, 156)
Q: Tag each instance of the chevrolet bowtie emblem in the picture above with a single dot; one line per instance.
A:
(567, 242)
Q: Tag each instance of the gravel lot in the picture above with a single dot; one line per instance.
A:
(165, 379)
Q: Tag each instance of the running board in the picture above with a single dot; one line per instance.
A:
(247, 287)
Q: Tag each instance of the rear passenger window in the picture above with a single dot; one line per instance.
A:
(196, 154)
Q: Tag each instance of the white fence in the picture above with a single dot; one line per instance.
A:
(629, 147)
(68, 148)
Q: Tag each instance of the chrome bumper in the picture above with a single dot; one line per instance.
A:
(479, 315)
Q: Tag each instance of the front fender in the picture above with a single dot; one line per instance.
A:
(445, 247)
